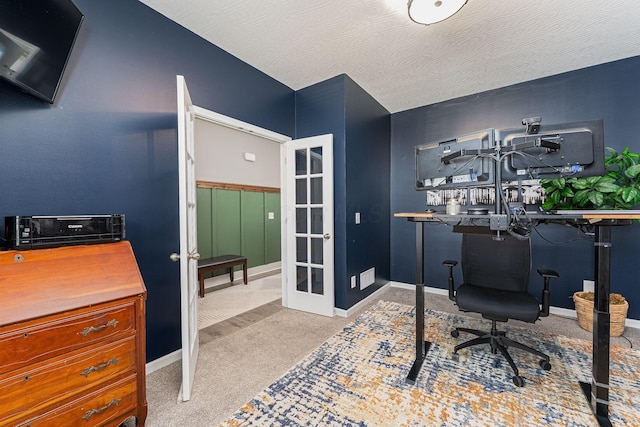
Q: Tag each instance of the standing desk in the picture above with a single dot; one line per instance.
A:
(598, 391)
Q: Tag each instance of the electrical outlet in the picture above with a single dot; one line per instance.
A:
(353, 282)
(588, 286)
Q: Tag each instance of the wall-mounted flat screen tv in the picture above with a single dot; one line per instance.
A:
(36, 38)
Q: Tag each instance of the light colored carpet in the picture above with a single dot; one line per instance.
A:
(243, 355)
(357, 378)
(226, 303)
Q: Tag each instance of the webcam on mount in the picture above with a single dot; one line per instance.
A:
(532, 124)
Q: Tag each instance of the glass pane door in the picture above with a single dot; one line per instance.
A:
(310, 195)
(309, 236)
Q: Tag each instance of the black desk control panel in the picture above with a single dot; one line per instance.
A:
(498, 222)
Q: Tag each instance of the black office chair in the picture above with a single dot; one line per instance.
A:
(495, 280)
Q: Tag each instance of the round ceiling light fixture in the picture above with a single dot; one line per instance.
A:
(429, 12)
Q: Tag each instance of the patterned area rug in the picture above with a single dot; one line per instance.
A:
(357, 378)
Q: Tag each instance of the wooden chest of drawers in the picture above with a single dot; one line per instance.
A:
(72, 337)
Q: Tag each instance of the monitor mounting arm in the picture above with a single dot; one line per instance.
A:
(465, 152)
(551, 143)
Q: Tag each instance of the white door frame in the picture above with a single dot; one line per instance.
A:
(230, 122)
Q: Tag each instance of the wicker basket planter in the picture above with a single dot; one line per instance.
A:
(618, 307)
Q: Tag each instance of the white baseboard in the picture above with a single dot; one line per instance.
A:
(564, 312)
(632, 323)
(252, 273)
(168, 359)
(412, 287)
(163, 361)
(346, 313)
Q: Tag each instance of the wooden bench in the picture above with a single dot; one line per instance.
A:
(219, 262)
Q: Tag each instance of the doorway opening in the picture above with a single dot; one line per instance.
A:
(238, 203)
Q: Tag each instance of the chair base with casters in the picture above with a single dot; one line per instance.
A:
(498, 341)
(495, 281)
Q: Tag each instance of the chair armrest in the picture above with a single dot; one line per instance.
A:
(450, 263)
(548, 273)
(546, 294)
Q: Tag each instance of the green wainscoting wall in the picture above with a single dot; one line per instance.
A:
(239, 221)
(252, 220)
(272, 230)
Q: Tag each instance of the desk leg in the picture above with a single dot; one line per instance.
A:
(598, 391)
(422, 346)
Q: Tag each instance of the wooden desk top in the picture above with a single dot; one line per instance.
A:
(619, 214)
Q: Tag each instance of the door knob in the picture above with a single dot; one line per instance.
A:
(327, 236)
(176, 257)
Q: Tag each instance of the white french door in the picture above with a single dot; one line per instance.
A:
(309, 204)
(188, 256)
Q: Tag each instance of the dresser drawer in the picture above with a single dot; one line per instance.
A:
(107, 406)
(40, 341)
(43, 384)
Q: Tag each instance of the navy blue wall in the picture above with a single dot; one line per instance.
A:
(320, 110)
(609, 92)
(368, 127)
(360, 128)
(109, 142)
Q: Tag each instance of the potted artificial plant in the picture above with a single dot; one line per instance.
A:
(618, 188)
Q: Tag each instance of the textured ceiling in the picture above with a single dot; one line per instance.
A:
(487, 45)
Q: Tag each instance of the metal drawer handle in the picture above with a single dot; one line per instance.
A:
(99, 367)
(88, 330)
(93, 412)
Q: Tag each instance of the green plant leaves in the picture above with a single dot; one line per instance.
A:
(555, 197)
(596, 198)
(581, 183)
(582, 197)
(618, 188)
(566, 192)
(606, 185)
(559, 183)
(632, 171)
(631, 195)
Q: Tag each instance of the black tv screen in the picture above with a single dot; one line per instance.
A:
(36, 38)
